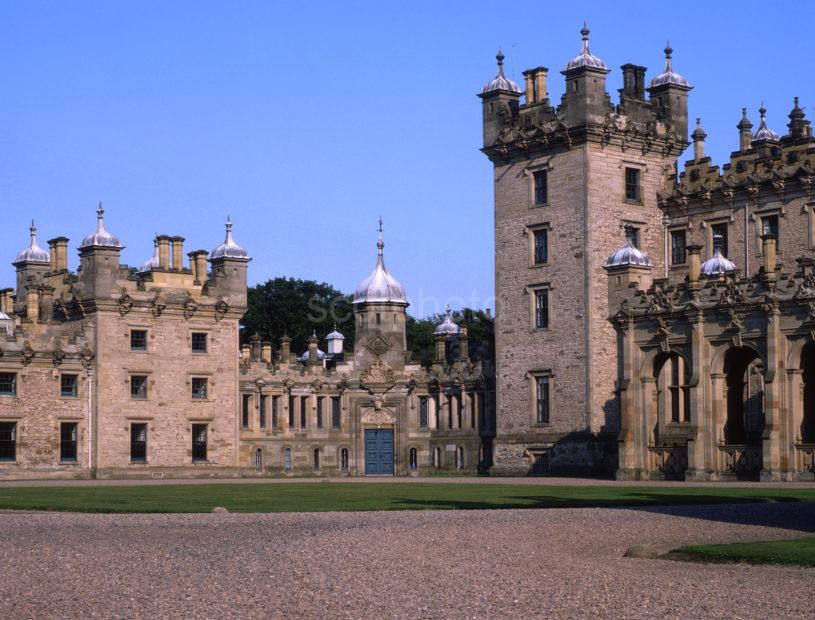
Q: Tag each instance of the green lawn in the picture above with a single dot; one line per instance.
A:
(800, 552)
(331, 496)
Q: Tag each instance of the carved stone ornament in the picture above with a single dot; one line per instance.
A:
(806, 289)
(189, 308)
(378, 373)
(736, 319)
(663, 327)
(378, 415)
(58, 356)
(378, 345)
(732, 295)
(125, 303)
(158, 305)
(87, 357)
(221, 308)
(27, 353)
(658, 301)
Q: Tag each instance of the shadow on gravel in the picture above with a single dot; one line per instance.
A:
(768, 511)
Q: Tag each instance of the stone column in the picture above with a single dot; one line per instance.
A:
(795, 417)
(771, 444)
(715, 426)
(441, 352)
(285, 349)
(699, 443)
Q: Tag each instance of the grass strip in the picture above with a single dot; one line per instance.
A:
(797, 552)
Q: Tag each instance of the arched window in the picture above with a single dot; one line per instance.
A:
(259, 460)
(316, 458)
(437, 457)
(344, 459)
(414, 464)
(459, 458)
(287, 458)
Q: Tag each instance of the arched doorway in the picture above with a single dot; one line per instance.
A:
(669, 420)
(744, 422)
(807, 430)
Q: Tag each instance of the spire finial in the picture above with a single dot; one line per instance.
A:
(500, 58)
(380, 244)
(584, 31)
(762, 111)
(668, 49)
(100, 212)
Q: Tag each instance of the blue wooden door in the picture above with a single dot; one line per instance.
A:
(378, 452)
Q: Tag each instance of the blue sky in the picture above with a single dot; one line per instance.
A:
(306, 121)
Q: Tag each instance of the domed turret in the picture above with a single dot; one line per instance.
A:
(33, 253)
(669, 76)
(629, 254)
(229, 249)
(380, 286)
(585, 58)
(717, 264)
(153, 262)
(100, 238)
(500, 81)
(763, 132)
(447, 327)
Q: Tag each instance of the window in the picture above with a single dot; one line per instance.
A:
(199, 388)
(632, 185)
(541, 309)
(319, 412)
(335, 412)
(138, 340)
(244, 410)
(303, 406)
(721, 230)
(437, 457)
(632, 233)
(542, 402)
(287, 458)
(540, 465)
(423, 402)
(344, 459)
(541, 178)
(436, 410)
(67, 441)
(316, 458)
(275, 408)
(8, 441)
(262, 412)
(414, 459)
(678, 247)
(291, 411)
(68, 386)
(769, 226)
(459, 457)
(258, 460)
(138, 443)
(199, 442)
(8, 383)
(459, 410)
(472, 411)
(138, 386)
(199, 342)
(541, 246)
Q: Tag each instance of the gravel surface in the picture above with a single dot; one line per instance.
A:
(560, 562)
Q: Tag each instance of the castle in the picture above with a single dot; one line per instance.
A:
(617, 347)
(113, 371)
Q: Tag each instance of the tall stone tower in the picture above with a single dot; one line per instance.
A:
(569, 181)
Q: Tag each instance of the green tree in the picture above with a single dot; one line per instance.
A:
(297, 308)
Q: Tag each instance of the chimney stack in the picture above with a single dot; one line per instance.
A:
(178, 253)
(198, 264)
(535, 85)
(745, 131)
(163, 252)
(266, 352)
(463, 345)
(285, 349)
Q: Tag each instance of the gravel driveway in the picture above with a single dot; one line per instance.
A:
(559, 562)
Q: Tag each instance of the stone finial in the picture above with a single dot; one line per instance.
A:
(698, 137)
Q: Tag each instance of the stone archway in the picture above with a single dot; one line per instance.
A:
(806, 431)
(741, 439)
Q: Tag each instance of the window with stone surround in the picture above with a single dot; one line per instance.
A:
(423, 409)
(138, 386)
(275, 411)
(336, 418)
(540, 245)
(344, 459)
(8, 384)
(68, 386)
(678, 247)
(138, 443)
(8, 441)
(541, 181)
(720, 228)
(262, 411)
(245, 409)
(303, 409)
(319, 412)
(541, 387)
(200, 388)
(199, 442)
(199, 342)
(633, 192)
(292, 401)
(138, 340)
(287, 459)
(540, 308)
(68, 441)
(769, 226)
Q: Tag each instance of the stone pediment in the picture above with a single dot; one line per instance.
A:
(383, 416)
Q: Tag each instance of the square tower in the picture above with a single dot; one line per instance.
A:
(568, 181)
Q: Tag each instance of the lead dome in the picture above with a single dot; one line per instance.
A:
(33, 253)
(229, 249)
(500, 81)
(585, 58)
(447, 327)
(100, 238)
(380, 286)
(668, 75)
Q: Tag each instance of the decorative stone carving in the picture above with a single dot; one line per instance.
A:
(87, 357)
(378, 345)
(27, 353)
(58, 355)
(378, 415)
(806, 289)
(378, 373)
(125, 303)
(158, 305)
(732, 295)
(221, 308)
(190, 306)
(658, 301)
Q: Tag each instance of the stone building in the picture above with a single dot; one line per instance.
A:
(568, 178)
(113, 371)
(617, 348)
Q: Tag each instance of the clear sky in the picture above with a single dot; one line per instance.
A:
(305, 121)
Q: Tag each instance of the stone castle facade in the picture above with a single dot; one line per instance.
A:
(641, 359)
(111, 371)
